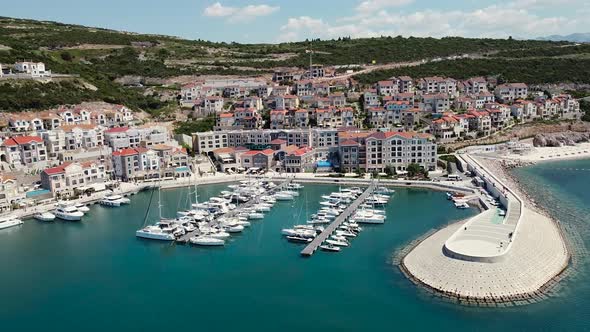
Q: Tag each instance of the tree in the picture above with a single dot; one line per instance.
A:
(413, 169)
(390, 170)
(66, 56)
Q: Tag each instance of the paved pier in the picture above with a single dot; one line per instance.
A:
(186, 237)
(520, 272)
(318, 240)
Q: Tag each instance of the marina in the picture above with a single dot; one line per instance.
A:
(330, 229)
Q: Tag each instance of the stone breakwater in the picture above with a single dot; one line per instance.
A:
(528, 273)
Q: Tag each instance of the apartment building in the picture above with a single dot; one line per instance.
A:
(399, 149)
(511, 91)
(134, 163)
(24, 152)
(69, 178)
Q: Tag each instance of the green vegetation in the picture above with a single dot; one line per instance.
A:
(23, 94)
(585, 107)
(414, 170)
(545, 52)
(195, 126)
(531, 71)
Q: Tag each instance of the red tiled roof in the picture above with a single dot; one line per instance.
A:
(117, 130)
(349, 143)
(126, 152)
(20, 140)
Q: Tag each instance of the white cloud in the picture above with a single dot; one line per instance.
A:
(369, 6)
(499, 21)
(239, 14)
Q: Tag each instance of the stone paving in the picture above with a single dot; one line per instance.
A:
(535, 258)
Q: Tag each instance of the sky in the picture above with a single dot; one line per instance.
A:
(253, 21)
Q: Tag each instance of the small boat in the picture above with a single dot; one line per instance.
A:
(299, 239)
(206, 241)
(7, 222)
(330, 247)
(45, 216)
(502, 213)
(82, 207)
(462, 205)
(337, 243)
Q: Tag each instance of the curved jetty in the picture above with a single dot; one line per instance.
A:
(488, 259)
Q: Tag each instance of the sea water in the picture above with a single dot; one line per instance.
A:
(95, 275)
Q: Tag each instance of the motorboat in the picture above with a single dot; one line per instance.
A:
(294, 186)
(6, 222)
(331, 211)
(68, 212)
(368, 217)
(339, 238)
(345, 233)
(155, 233)
(384, 191)
(330, 247)
(502, 213)
(283, 196)
(206, 241)
(319, 221)
(82, 207)
(219, 235)
(337, 243)
(299, 239)
(291, 192)
(462, 205)
(114, 200)
(44, 216)
(255, 215)
(262, 207)
(306, 233)
(234, 229)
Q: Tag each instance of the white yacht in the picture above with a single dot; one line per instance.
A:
(255, 215)
(206, 241)
(82, 207)
(219, 235)
(155, 233)
(114, 200)
(68, 212)
(6, 222)
(330, 247)
(283, 196)
(45, 216)
(337, 243)
(368, 217)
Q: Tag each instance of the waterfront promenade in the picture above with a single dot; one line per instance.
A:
(518, 271)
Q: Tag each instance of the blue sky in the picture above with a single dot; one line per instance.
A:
(275, 20)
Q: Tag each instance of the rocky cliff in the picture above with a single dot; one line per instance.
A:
(561, 139)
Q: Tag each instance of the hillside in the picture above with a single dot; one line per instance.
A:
(101, 56)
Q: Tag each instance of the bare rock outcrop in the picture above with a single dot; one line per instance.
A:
(561, 139)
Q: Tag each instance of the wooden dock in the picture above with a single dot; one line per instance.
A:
(318, 240)
(186, 237)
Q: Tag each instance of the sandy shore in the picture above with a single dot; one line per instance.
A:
(538, 154)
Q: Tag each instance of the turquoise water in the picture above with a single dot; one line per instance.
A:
(97, 276)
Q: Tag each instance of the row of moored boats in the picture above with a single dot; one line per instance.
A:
(212, 223)
(65, 211)
(332, 206)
